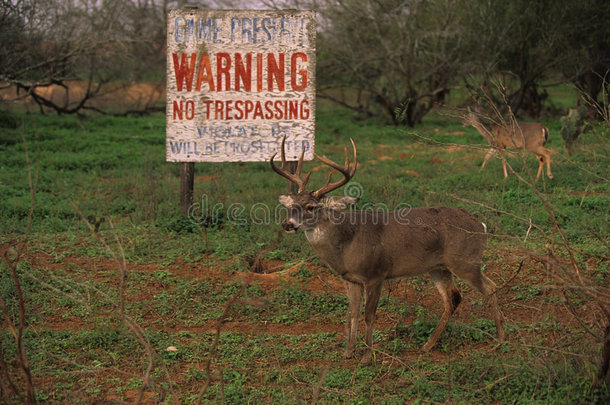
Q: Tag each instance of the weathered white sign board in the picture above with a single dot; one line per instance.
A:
(237, 82)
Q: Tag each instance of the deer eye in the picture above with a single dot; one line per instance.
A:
(310, 208)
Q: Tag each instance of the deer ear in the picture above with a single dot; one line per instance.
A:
(339, 203)
(286, 200)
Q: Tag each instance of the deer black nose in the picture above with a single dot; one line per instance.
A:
(288, 226)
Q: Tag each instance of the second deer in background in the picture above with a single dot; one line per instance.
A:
(531, 136)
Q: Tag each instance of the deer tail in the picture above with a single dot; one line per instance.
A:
(545, 134)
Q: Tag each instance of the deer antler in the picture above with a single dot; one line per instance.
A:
(345, 171)
(284, 172)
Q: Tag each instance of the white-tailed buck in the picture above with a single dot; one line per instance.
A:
(368, 247)
(530, 136)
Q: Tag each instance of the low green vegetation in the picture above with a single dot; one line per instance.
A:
(189, 282)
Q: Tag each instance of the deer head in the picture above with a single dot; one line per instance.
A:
(470, 118)
(307, 208)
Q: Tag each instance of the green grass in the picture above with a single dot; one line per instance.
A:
(279, 342)
(115, 167)
(266, 368)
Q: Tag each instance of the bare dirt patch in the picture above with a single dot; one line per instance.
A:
(518, 306)
(205, 179)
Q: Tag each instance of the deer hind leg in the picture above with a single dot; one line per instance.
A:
(547, 160)
(443, 280)
(354, 295)
(488, 288)
(544, 157)
(540, 166)
(373, 291)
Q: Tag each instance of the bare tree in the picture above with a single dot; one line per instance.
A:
(65, 54)
(401, 57)
(516, 45)
(585, 35)
(10, 258)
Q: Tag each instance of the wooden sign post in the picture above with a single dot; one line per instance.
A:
(238, 81)
(187, 182)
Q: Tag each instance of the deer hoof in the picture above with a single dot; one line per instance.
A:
(495, 347)
(426, 348)
(348, 355)
(366, 359)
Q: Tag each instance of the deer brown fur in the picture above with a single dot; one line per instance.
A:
(368, 247)
(531, 136)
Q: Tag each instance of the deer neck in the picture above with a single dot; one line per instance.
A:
(333, 231)
(484, 130)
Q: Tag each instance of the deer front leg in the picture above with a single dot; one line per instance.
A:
(372, 291)
(354, 295)
(547, 160)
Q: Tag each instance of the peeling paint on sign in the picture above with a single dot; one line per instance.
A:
(237, 82)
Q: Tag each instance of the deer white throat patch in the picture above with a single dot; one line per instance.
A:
(315, 235)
